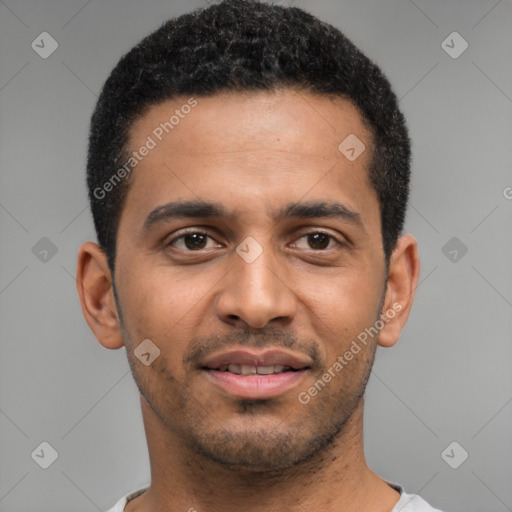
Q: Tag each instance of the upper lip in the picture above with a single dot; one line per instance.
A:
(267, 357)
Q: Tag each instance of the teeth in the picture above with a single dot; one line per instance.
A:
(245, 369)
(265, 370)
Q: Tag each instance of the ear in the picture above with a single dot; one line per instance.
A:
(403, 275)
(94, 285)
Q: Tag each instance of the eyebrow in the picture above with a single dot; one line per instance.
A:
(319, 209)
(206, 209)
(181, 209)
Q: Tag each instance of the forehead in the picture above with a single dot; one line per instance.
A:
(306, 124)
(251, 150)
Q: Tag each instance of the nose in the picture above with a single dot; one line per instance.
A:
(256, 294)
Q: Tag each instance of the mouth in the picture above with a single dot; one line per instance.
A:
(256, 375)
(246, 369)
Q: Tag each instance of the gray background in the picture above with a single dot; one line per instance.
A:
(448, 379)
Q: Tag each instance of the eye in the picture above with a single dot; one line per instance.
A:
(193, 241)
(317, 241)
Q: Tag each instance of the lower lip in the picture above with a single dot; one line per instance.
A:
(255, 386)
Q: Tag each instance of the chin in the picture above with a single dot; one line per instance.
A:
(253, 450)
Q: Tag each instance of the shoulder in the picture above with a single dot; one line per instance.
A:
(410, 502)
(121, 503)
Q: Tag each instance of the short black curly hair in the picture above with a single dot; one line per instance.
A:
(245, 45)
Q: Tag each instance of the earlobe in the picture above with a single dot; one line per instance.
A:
(95, 290)
(403, 275)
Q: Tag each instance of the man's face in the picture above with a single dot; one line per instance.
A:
(255, 284)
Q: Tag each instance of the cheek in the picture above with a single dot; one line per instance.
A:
(161, 305)
(348, 297)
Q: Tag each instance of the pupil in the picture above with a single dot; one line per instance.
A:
(195, 241)
(318, 240)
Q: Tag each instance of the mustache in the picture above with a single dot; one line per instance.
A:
(201, 348)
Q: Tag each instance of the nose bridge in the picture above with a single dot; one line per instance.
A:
(255, 290)
(258, 275)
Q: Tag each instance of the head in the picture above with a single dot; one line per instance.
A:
(243, 46)
(248, 174)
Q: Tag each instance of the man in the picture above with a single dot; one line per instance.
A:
(248, 171)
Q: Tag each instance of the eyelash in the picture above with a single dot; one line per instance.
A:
(204, 233)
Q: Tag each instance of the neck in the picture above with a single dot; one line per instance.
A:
(338, 479)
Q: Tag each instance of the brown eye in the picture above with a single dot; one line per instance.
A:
(195, 241)
(317, 241)
(191, 241)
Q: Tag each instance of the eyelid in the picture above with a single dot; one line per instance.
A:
(169, 240)
(339, 242)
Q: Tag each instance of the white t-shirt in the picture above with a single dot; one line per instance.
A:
(406, 503)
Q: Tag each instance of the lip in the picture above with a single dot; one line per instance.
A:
(266, 357)
(256, 386)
